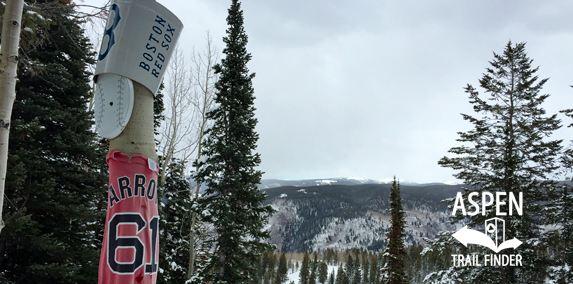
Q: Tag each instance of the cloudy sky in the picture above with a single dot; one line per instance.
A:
(374, 89)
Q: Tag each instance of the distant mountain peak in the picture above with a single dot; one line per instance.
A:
(272, 183)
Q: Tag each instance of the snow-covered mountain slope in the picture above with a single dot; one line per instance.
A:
(315, 218)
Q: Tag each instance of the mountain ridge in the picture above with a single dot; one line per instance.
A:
(339, 216)
(273, 183)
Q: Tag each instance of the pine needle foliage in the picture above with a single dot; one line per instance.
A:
(232, 202)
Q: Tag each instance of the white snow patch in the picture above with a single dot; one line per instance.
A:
(358, 179)
(34, 13)
(295, 276)
(174, 266)
(326, 182)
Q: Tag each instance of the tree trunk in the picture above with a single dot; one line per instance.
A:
(205, 84)
(191, 267)
(8, 73)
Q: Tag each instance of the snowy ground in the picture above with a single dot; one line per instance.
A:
(294, 276)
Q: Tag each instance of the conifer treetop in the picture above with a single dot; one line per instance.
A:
(509, 150)
(395, 252)
(232, 202)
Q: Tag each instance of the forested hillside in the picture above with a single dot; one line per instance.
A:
(353, 216)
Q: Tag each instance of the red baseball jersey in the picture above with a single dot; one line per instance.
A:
(130, 245)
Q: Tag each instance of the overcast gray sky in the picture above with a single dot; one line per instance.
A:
(372, 88)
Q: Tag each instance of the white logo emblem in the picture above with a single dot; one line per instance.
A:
(468, 236)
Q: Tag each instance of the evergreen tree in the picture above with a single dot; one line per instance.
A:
(349, 269)
(356, 277)
(365, 265)
(438, 259)
(314, 264)
(395, 252)
(312, 278)
(277, 279)
(414, 264)
(55, 195)
(507, 152)
(266, 278)
(232, 202)
(345, 278)
(282, 270)
(265, 262)
(304, 269)
(561, 210)
(373, 270)
(158, 116)
(331, 277)
(322, 272)
(341, 276)
(335, 257)
(175, 224)
(326, 256)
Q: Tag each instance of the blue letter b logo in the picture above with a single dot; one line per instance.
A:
(109, 32)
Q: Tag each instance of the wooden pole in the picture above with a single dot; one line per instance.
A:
(138, 136)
